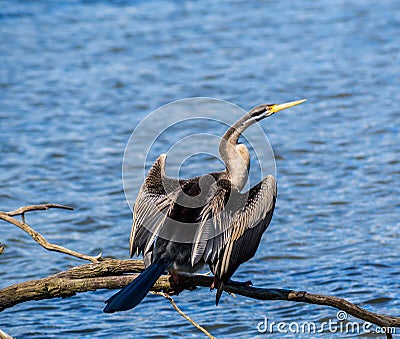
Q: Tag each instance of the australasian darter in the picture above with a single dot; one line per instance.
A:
(180, 225)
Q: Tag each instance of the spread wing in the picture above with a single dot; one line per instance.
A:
(216, 218)
(152, 205)
(242, 230)
(247, 228)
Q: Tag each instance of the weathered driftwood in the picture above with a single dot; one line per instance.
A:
(107, 273)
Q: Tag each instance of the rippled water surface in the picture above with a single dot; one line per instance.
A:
(77, 77)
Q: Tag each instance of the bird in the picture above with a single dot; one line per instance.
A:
(181, 225)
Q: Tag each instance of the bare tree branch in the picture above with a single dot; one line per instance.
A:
(110, 274)
(7, 216)
(41, 207)
(107, 273)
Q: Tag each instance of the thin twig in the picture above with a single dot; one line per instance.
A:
(40, 207)
(4, 335)
(183, 314)
(40, 239)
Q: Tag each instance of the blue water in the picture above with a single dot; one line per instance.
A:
(77, 77)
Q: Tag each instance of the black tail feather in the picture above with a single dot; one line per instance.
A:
(220, 289)
(131, 295)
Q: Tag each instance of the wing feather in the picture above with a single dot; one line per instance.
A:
(243, 236)
(151, 207)
(216, 217)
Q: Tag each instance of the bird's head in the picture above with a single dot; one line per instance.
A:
(265, 110)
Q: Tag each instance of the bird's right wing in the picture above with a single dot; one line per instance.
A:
(242, 232)
(245, 232)
(152, 205)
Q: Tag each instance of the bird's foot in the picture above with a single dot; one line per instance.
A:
(175, 277)
(214, 284)
(179, 282)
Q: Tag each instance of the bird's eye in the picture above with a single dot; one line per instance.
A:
(259, 111)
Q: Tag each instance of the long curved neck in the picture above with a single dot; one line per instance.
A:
(233, 134)
(236, 157)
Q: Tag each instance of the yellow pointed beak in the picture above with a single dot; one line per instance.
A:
(279, 107)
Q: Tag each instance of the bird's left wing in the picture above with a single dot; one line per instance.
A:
(215, 219)
(152, 205)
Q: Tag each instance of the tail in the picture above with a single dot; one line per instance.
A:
(220, 289)
(131, 295)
